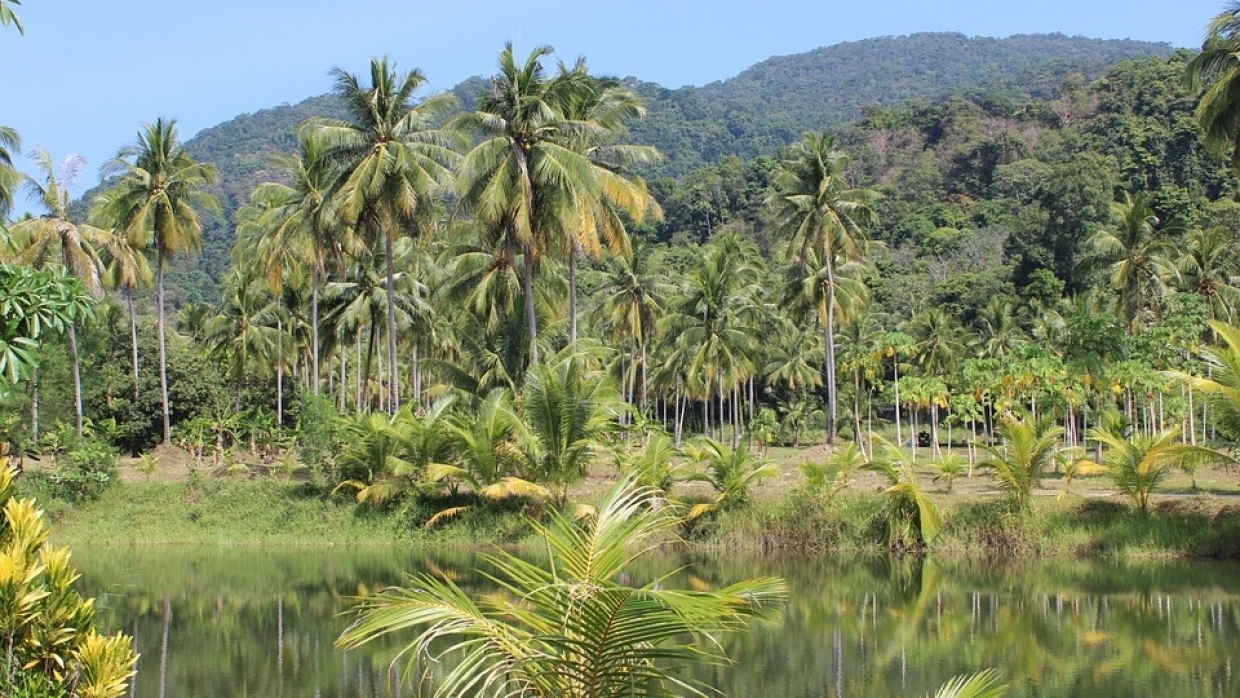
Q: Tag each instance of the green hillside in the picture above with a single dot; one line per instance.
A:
(763, 108)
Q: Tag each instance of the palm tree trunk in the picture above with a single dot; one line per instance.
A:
(280, 370)
(417, 373)
(527, 287)
(393, 370)
(572, 293)
(829, 340)
(896, 368)
(314, 334)
(34, 403)
(163, 345)
(133, 340)
(77, 377)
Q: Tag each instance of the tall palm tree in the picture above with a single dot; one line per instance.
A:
(531, 180)
(390, 164)
(53, 239)
(1216, 70)
(1209, 265)
(595, 112)
(633, 299)
(1140, 255)
(825, 219)
(154, 204)
(572, 629)
(10, 143)
(300, 221)
(126, 269)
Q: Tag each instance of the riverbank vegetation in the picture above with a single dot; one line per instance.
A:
(446, 315)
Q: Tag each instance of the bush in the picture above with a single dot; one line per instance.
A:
(51, 648)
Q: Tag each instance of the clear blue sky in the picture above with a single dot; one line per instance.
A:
(88, 73)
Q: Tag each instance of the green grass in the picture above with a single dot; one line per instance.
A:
(978, 523)
(262, 511)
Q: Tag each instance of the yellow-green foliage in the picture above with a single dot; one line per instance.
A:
(47, 645)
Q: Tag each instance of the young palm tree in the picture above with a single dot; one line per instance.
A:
(1216, 70)
(571, 629)
(389, 164)
(826, 220)
(570, 409)
(154, 204)
(1024, 458)
(1139, 463)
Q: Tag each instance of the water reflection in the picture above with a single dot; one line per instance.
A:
(212, 623)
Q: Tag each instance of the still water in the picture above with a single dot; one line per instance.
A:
(224, 623)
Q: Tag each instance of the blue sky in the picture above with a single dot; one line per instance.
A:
(88, 73)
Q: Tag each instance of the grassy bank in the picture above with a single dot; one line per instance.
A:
(261, 511)
(1202, 527)
(267, 511)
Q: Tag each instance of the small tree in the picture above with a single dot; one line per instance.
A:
(1024, 458)
(1139, 463)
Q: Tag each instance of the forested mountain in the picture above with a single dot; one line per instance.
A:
(777, 100)
(765, 107)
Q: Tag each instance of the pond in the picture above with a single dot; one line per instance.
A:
(217, 623)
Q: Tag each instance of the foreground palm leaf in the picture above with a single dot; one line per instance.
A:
(569, 629)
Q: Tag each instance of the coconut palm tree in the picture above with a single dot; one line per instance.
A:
(633, 300)
(8, 16)
(571, 629)
(1138, 463)
(1209, 265)
(1140, 255)
(570, 409)
(154, 204)
(595, 111)
(53, 239)
(390, 165)
(1216, 70)
(299, 221)
(1024, 458)
(242, 333)
(825, 220)
(10, 143)
(538, 179)
(127, 269)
